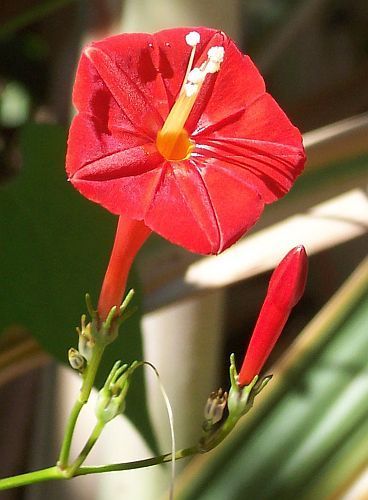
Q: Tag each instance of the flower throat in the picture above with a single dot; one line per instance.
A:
(173, 141)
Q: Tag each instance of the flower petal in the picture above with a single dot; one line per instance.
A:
(138, 107)
(181, 218)
(263, 142)
(90, 140)
(106, 182)
(237, 84)
(203, 207)
(236, 204)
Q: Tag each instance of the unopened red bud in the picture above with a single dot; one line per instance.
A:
(285, 289)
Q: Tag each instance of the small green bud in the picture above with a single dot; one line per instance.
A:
(111, 398)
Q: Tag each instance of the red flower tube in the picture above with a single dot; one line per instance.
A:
(176, 130)
(285, 289)
(130, 236)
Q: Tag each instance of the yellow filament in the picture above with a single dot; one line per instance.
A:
(172, 140)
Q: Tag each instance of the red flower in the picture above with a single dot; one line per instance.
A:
(194, 154)
(285, 289)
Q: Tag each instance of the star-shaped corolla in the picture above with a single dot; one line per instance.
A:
(175, 129)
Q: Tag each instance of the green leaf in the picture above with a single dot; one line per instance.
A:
(54, 247)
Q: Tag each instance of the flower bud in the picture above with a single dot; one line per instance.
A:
(285, 289)
(111, 398)
(76, 360)
(214, 409)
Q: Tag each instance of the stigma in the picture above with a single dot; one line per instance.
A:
(173, 141)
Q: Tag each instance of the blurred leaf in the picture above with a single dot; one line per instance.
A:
(31, 15)
(54, 247)
(311, 414)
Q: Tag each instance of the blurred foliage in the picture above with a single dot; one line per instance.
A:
(54, 247)
(30, 14)
(14, 105)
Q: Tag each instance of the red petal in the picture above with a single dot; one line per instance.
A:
(236, 204)
(181, 218)
(131, 195)
(142, 72)
(263, 142)
(138, 107)
(90, 141)
(203, 208)
(235, 86)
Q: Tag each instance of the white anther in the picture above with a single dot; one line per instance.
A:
(196, 76)
(216, 54)
(190, 89)
(212, 67)
(193, 38)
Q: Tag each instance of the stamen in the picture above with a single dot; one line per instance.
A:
(216, 54)
(216, 57)
(193, 38)
(172, 140)
(190, 89)
(196, 76)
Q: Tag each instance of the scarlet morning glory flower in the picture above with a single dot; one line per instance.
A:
(285, 289)
(176, 130)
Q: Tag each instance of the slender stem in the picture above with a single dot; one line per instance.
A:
(37, 476)
(220, 435)
(137, 464)
(69, 431)
(91, 372)
(85, 391)
(55, 473)
(87, 448)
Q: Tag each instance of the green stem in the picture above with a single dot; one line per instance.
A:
(91, 372)
(89, 378)
(87, 448)
(54, 473)
(137, 464)
(37, 476)
(225, 429)
(67, 441)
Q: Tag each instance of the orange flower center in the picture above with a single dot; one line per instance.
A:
(175, 146)
(173, 141)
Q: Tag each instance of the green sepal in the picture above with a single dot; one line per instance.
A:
(241, 398)
(111, 398)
